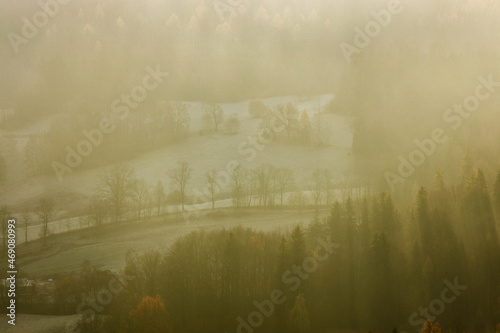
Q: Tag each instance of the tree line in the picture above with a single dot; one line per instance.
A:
(121, 195)
(158, 125)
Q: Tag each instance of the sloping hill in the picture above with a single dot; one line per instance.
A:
(203, 152)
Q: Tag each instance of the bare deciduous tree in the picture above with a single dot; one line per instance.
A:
(4, 225)
(180, 177)
(328, 184)
(45, 211)
(287, 117)
(316, 187)
(159, 193)
(238, 183)
(141, 195)
(284, 181)
(263, 176)
(298, 200)
(116, 186)
(304, 127)
(213, 116)
(251, 188)
(212, 185)
(26, 220)
(97, 210)
(149, 265)
(319, 129)
(178, 119)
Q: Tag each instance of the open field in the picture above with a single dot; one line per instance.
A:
(27, 323)
(107, 248)
(71, 196)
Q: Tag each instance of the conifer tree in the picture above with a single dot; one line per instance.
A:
(297, 245)
(335, 221)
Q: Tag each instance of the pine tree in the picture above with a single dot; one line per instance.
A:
(467, 169)
(477, 200)
(231, 268)
(415, 270)
(365, 224)
(422, 206)
(349, 260)
(440, 192)
(283, 258)
(424, 223)
(439, 181)
(381, 291)
(377, 213)
(335, 221)
(496, 193)
(283, 264)
(298, 245)
(389, 215)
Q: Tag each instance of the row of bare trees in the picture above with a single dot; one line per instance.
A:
(44, 211)
(298, 127)
(263, 183)
(267, 185)
(120, 193)
(166, 123)
(119, 190)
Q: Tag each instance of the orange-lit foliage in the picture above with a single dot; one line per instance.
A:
(150, 316)
(431, 328)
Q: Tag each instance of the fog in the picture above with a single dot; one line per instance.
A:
(250, 166)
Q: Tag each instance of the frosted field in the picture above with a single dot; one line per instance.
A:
(67, 252)
(38, 324)
(202, 152)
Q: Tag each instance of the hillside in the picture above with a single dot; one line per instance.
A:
(198, 150)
